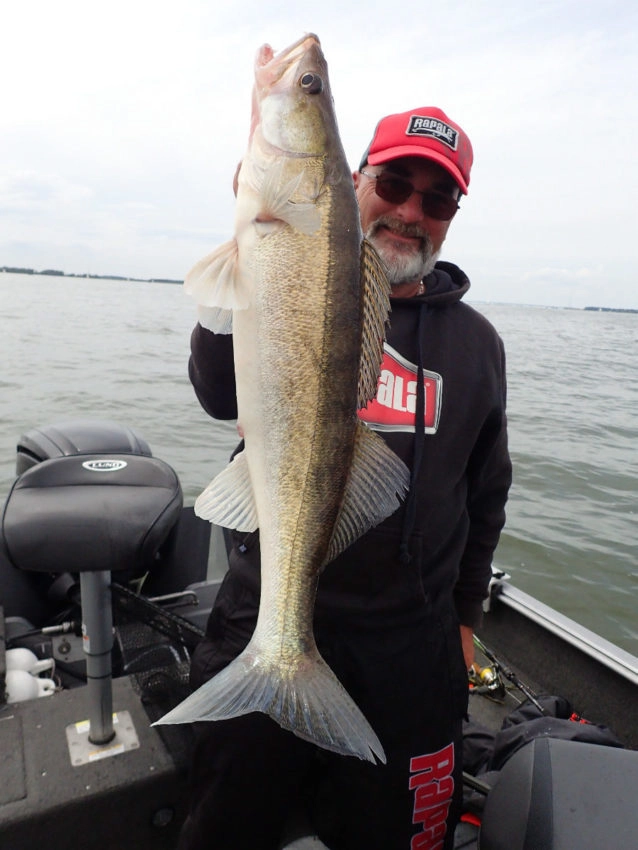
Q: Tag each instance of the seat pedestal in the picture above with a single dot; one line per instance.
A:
(97, 633)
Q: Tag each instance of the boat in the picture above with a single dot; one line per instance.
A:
(107, 580)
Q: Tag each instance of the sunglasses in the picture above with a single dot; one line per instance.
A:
(396, 190)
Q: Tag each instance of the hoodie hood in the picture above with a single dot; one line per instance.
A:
(446, 284)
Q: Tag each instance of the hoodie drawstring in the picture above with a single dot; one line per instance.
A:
(419, 440)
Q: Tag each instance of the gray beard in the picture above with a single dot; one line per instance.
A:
(403, 265)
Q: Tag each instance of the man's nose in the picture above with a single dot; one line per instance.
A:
(411, 209)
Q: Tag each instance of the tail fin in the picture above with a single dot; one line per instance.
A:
(308, 701)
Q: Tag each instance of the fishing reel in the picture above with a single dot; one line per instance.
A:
(489, 680)
(486, 681)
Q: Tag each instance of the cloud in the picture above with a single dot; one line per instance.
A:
(563, 275)
(28, 191)
(119, 138)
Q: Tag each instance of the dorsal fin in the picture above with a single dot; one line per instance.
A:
(377, 482)
(376, 301)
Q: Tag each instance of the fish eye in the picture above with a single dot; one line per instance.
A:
(312, 83)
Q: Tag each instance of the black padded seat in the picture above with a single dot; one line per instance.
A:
(77, 437)
(91, 512)
(563, 795)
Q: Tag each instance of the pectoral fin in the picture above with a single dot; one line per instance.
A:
(277, 204)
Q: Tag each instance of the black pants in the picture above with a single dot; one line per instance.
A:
(248, 773)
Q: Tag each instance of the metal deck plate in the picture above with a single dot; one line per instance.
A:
(83, 751)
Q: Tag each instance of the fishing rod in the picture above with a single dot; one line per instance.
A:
(489, 681)
(491, 677)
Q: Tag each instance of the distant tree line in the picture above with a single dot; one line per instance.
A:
(58, 273)
(612, 309)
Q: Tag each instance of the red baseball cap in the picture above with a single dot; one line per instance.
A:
(426, 132)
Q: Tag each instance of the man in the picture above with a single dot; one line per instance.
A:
(395, 612)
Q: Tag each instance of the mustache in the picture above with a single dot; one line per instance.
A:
(394, 224)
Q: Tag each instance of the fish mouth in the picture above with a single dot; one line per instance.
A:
(266, 55)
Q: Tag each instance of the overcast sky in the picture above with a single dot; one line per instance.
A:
(121, 124)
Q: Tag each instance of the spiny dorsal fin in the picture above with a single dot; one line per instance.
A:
(376, 308)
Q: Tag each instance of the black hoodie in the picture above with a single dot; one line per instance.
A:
(439, 543)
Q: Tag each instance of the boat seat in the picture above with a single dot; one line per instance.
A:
(554, 794)
(90, 499)
(91, 512)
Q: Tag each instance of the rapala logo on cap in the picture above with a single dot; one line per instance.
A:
(104, 465)
(433, 128)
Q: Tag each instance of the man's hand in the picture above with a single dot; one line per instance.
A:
(467, 642)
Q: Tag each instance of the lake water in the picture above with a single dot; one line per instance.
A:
(76, 347)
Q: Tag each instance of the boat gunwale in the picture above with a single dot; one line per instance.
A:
(603, 651)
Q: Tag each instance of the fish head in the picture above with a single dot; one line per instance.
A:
(293, 111)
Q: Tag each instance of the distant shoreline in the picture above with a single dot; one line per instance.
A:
(58, 273)
(611, 309)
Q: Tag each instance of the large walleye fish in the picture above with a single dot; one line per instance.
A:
(307, 302)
